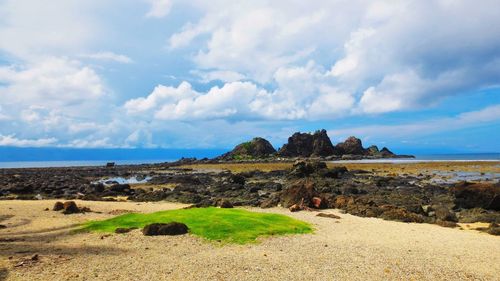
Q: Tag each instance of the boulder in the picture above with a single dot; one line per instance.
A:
(308, 145)
(300, 192)
(173, 228)
(70, 207)
(58, 206)
(254, 149)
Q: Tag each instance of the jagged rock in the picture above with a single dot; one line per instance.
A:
(351, 145)
(173, 228)
(302, 169)
(307, 145)
(300, 192)
(256, 148)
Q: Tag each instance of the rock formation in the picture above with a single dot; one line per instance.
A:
(351, 145)
(307, 145)
(256, 148)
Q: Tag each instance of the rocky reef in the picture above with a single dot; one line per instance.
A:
(307, 185)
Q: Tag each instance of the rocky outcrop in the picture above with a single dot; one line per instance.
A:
(254, 149)
(308, 145)
(305, 145)
(351, 145)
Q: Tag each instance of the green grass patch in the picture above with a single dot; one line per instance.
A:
(227, 225)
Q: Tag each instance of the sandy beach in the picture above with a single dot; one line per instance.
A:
(350, 248)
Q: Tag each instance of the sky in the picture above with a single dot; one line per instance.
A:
(417, 75)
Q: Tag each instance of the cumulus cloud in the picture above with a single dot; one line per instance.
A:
(55, 81)
(382, 53)
(11, 140)
(108, 56)
(302, 92)
(490, 114)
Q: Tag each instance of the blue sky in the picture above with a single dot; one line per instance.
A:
(410, 75)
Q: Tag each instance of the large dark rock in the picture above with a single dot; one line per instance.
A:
(302, 169)
(477, 195)
(351, 145)
(70, 207)
(300, 192)
(254, 149)
(173, 228)
(307, 145)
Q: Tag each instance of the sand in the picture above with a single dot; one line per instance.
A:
(350, 248)
(377, 168)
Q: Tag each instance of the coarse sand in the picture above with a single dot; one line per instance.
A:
(350, 248)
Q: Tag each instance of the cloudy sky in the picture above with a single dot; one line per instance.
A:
(412, 75)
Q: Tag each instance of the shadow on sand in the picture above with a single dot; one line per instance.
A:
(46, 242)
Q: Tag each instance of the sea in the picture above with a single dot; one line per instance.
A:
(13, 157)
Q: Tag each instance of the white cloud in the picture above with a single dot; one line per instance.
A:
(424, 127)
(159, 8)
(108, 56)
(56, 83)
(388, 56)
(11, 140)
(302, 93)
(32, 28)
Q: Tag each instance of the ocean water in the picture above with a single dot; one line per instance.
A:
(11, 157)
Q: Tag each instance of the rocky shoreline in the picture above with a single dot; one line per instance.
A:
(307, 185)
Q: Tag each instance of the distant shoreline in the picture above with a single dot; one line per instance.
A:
(472, 157)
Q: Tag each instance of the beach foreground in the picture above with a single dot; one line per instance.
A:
(351, 248)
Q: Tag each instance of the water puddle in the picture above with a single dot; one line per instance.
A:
(123, 180)
(454, 177)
